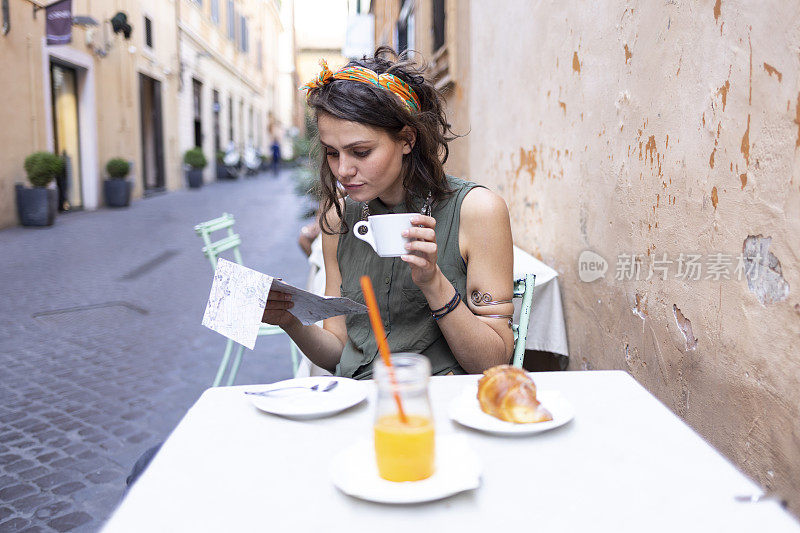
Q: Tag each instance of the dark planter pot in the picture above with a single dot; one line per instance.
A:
(195, 178)
(36, 206)
(222, 172)
(117, 192)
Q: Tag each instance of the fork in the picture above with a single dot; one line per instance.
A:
(760, 497)
(329, 387)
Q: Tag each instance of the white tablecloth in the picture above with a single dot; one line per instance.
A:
(546, 330)
(626, 463)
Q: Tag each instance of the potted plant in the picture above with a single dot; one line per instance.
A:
(116, 188)
(222, 170)
(196, 161)
(37, 206)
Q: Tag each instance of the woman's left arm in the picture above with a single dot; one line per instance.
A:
(478, 342)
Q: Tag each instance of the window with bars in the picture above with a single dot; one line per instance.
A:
(148, 32)
(231, 15)
(243, 35)
(438, 24)
(215, 11)
(405, 26)
(444, 51)
(402, 35)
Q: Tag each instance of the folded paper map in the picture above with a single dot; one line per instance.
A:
(239, 295)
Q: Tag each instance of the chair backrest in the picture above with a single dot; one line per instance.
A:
(213, 249)
(523, 288)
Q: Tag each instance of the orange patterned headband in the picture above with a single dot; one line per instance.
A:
(365, 75)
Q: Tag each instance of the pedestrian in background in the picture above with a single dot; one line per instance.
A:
(276, 155)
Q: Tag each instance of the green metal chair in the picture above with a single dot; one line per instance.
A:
(212, 250)
(523, 288)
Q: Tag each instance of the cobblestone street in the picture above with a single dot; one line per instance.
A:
(101, 347)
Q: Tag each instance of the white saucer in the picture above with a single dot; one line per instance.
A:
(466, 410)
(355, 473)
(302, 404)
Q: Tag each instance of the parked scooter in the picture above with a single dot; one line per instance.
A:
(252, 160)
(232, 160)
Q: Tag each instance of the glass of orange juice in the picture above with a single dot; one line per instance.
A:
(404, 449)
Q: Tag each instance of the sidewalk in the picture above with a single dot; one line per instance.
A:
(101, 347)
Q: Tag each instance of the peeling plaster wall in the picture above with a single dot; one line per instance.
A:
(651, 128)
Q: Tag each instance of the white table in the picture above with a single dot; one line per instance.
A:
(625, 463)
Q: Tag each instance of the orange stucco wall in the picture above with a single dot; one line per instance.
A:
(641, 131)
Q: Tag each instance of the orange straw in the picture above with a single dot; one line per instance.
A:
(380, 336)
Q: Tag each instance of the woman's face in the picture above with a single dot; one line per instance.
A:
(364, 159)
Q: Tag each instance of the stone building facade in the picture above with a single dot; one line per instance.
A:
(230, 72)
(103, 96)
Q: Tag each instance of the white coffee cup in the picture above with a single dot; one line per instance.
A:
(384, 233)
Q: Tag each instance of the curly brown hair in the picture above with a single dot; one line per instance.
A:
(422, 169)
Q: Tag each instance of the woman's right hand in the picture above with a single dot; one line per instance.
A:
(276, 312)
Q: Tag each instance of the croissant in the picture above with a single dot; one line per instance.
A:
(508, 393)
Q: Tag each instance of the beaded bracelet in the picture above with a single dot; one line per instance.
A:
(452, 304)
(437, 311)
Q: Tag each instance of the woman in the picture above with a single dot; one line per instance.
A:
(383, 135)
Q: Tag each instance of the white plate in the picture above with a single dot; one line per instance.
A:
(299, 403)
(466, 410)
(355, 472)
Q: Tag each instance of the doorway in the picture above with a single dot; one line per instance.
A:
(152, 137)
(216, 107)
(197, 104)
(66, 134)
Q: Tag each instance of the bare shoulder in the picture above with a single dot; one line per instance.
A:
(482, 206)
(485, 224)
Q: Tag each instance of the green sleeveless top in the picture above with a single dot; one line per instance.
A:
(404, 309)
